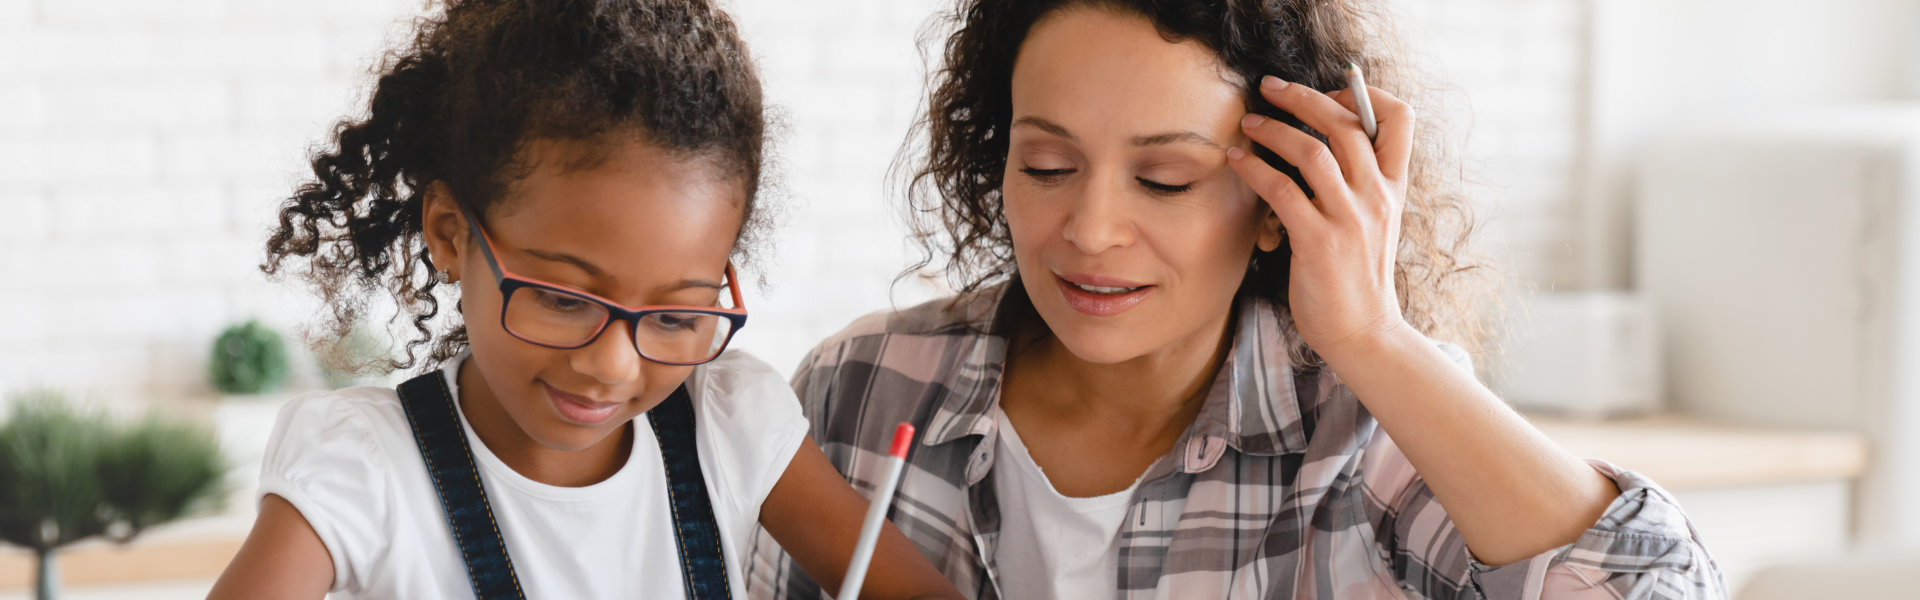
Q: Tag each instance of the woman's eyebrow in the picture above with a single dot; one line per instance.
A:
(1176, 137)
(1171, 137)
(1043, 125)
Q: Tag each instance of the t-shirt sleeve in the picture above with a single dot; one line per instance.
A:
(755, 418)
(323, 459)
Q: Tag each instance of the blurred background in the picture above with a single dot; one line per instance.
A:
(1708, 212)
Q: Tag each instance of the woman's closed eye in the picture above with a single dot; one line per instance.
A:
(1046, 175)
(1049, 176)
(1164, 189)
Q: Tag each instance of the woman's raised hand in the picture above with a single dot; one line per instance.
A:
(1345, 238)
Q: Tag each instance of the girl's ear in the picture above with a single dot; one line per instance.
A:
(445, 229)
(1271, 234)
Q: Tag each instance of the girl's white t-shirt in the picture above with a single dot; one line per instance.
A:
(347, 460)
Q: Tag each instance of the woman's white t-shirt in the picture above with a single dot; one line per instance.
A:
(347, 460)
(1052, 545)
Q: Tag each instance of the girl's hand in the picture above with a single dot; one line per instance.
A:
(1345, 238)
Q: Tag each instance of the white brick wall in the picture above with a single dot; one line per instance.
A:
(1515, 67)
(144, 145)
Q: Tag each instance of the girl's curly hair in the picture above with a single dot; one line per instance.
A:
(457, 105)
(953, 190)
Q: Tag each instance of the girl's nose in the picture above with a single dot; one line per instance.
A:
(610, 359)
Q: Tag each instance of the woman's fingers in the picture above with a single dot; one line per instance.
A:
(1314, 159)
(1393, 147)
(1295, 210)
(1340, 125)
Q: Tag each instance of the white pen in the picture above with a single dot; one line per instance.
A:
(876, 514)
(1358, 86)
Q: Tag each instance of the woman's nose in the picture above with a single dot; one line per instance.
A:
(1098, 219)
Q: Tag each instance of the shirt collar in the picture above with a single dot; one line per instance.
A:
(1252, 407)
(973, 387)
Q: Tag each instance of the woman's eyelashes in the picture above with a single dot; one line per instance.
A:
(1164, 189)
(1047, 175)
(1053, 176)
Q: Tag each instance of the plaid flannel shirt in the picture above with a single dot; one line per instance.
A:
(1283, 487)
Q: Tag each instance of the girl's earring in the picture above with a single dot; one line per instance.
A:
(444, 276)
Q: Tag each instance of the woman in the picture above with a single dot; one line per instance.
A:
(1177, 371)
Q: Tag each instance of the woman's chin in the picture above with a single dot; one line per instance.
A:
(1105, 346)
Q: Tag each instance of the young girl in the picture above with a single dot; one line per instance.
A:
(1177, 371)
(576, 177)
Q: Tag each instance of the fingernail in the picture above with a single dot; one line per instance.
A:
(1235, 153)
(1273, 84)
(1252, 120)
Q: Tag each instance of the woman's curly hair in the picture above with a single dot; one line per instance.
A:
(459, 102)
(954, 189)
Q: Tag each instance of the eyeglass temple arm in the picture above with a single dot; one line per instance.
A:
(733, 283)
(486, 244)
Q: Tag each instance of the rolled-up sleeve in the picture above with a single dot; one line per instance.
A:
(1642, 547)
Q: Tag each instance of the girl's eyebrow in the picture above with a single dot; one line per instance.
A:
(562, 257)
(596, 272)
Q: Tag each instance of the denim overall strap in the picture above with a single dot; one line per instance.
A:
(695, 530)
(443, 443)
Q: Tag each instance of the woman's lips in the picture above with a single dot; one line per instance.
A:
(1109, 296)
(579, 409)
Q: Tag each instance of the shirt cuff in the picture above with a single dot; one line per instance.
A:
(1642, 531)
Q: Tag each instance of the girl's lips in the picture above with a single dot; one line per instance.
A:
(1097, 304)
(579, 409)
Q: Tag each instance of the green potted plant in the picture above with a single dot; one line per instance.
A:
(67, 475)
(249, 358)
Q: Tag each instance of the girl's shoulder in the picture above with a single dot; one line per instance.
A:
(342, 437)
(358, 415)
(739, 386)
(750, 425)
(332, 455)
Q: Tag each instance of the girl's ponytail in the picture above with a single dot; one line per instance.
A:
(357, 221)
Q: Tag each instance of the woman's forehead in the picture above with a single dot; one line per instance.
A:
(1113, 73)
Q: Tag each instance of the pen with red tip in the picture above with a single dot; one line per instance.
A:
(876, 514)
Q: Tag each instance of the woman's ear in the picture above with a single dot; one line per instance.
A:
(1271, 232)
(444, 228)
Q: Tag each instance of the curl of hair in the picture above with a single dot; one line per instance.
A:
(953, 183)
(458, 103)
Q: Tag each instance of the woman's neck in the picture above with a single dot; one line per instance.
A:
(1094, 429)
(1153, 396)
(528, 456)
